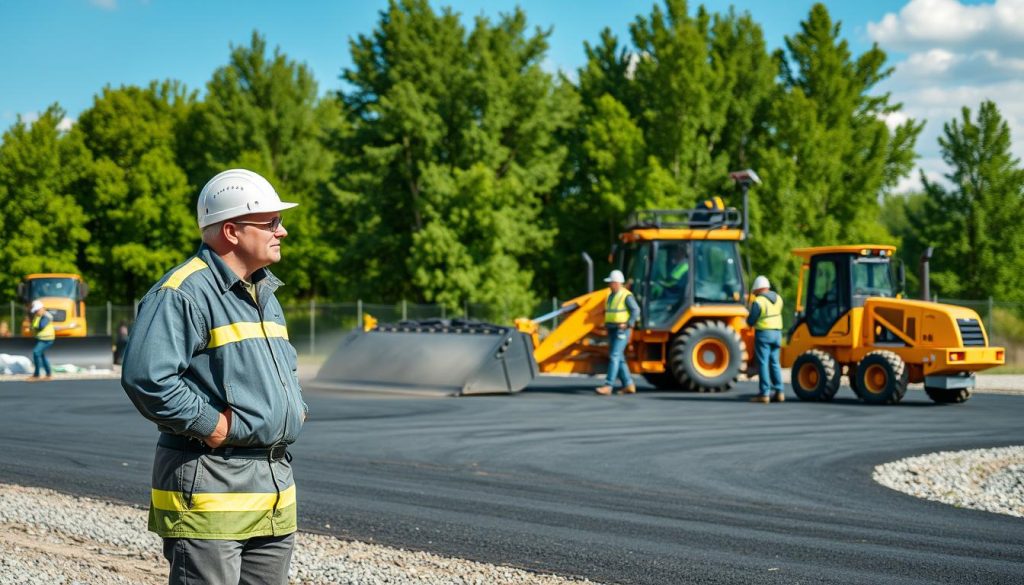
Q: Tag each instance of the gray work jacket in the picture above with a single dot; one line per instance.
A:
(201, 344)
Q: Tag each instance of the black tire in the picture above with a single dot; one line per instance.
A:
(721, 358)
(662, 381)
(881, 378)
(815, 376)
(948, 395)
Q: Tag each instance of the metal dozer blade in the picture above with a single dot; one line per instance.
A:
(440, 356)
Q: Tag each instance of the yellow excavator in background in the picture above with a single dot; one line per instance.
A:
(853, 321)
(683, 267)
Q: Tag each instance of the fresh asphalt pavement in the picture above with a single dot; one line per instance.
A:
(657, 488)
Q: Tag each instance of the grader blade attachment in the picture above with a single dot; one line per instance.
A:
(438, 356)
(94, 351)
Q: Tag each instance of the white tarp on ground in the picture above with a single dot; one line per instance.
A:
(15, 364)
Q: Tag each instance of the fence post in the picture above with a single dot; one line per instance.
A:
(554, 307)
(359, 313)
(405, 310)
(465, 309)
(15, 327)
(109, 307)
(135, 310)
(442, 311)
(312, 326)
(991, 319)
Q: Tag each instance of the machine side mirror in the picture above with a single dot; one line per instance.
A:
(611, 255)
(901, 272)
(22, 290)
(83, 290)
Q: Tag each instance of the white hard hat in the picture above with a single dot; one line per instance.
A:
(36, 305)
(760, 282)
(235, 193)
(616, 276)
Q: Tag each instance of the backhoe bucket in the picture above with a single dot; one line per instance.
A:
(439, 356)
(94, 351)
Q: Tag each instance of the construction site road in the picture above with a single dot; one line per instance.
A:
(658, 488)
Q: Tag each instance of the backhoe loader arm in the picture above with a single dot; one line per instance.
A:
(576, 326)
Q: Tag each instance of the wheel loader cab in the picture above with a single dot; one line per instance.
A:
(669, 276)
(837, 282)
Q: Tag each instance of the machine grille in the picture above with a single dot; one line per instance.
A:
(970, 331)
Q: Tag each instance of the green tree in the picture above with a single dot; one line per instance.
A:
(973, 222)
(452, 152)
(40, 169)
(829, 155)
(262, 112)
(663, 121)
(139, 204)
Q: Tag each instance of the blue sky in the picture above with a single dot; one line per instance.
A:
(66, 50)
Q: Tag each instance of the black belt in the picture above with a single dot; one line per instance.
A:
(275, 452)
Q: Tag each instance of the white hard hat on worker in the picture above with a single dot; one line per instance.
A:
(760, 283)
(36, 307)
(616, 276)
(234, 193)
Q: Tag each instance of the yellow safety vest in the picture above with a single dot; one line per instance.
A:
(615, 309)
(771, 313)
(46, 333)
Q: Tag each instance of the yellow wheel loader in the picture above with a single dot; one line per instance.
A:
(854, 321)
(683, 267)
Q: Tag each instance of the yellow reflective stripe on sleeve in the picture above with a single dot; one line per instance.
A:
(194, 265)
(241, 502)
(245, 330)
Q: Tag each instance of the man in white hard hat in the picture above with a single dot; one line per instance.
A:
(42, 327)
(621, 313)
(766, 319)
(209, 362)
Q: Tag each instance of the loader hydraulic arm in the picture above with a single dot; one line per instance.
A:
(582, 316)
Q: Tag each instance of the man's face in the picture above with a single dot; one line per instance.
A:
(615, 286)
(259, 240)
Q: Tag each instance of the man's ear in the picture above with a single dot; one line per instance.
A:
(230, 232)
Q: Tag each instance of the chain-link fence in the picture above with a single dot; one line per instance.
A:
(315, 328)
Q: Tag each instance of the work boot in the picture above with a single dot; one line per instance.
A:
(631, 389)
(605, 390)
(761, 398)
(778, 397)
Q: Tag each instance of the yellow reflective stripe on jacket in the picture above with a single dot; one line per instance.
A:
(240, 331)
(615, 309)
(211, 502)
(771, 313)
(47, 333)
(192, 266)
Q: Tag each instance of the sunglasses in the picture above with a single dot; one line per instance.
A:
(270, 226)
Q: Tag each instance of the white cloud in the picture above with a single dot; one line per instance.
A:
(65, 124)
(29, 118)
(958, 55)
(924, 24)
(104, 4)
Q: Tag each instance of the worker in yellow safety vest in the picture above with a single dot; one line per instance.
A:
(766, 319)
(621, 313)
(42, 326)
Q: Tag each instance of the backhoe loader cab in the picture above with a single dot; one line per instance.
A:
(854, 320)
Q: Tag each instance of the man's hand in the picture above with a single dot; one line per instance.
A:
(623, 326)
(220, 434)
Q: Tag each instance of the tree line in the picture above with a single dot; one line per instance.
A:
(451, 167)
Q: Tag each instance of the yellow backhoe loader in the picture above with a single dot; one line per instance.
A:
(853, 321)
(683, 266)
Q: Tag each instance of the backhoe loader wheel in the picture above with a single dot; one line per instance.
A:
(948, 395)
(881, 378)
(708, 357)
(815, 376)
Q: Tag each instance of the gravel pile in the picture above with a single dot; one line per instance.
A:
(50, 538)
(982, 479)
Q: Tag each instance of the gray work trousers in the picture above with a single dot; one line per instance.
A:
(256, 561)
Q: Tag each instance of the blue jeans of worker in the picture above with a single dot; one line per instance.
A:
(39, 357)
(767, 344)
(618, 339)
